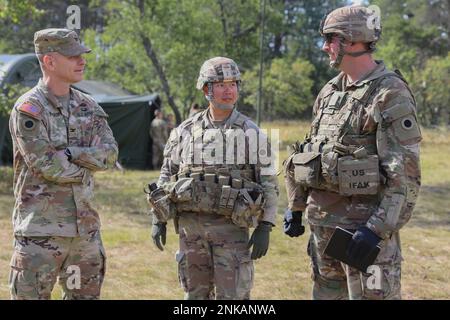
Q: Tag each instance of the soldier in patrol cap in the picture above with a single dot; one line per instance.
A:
(358, 168)
(61, 138)
(215, 201)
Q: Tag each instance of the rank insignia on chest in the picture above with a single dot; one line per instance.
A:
(83, 107)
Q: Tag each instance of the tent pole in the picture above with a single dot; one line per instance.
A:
(261, 60)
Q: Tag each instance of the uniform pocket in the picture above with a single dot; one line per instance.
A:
(23, 278)
(180, 257)
(244, 276)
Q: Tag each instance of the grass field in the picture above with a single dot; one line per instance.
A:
(137, 270)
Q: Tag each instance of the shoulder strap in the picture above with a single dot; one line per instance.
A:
(240, 120)
(400, 75)
(363, 95)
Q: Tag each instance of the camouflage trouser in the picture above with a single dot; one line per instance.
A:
(78, 263)
(333, 280)
(157, 155)
(213, 260)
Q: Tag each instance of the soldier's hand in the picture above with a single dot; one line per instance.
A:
(159, 231)
(363, 242)
(260, 240)
(292, 223)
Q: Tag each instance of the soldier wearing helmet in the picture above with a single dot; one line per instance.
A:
(354, 25)
(215, 193)
(358, 168)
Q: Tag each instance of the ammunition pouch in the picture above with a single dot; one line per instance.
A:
(329, 162)
(204, 196)
(208, 193)
(248, 208)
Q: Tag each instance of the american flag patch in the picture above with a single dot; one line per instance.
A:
(30, 109)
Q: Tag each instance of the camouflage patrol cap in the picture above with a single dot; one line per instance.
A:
(218, 69)
(63, 41)
(354, 23)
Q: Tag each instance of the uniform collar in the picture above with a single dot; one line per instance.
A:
(54, 102)
(341, 78)
(206, 118)
(372, 75)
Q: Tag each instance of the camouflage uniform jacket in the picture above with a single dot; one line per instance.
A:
(386, 125)
(178, 155)
(53, 195)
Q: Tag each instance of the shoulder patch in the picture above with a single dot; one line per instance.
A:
(32, 110)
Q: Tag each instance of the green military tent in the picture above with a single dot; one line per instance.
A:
(129, 115)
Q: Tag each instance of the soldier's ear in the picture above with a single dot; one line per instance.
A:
(205, 89)
(49, 62)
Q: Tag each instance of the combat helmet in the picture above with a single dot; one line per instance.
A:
(355, 24)
(218, 69)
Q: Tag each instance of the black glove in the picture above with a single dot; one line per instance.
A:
(159, 231)
(292, 223)
(363, 242)
(260, 240)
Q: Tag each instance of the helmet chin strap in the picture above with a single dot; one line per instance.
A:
(336, 63)
(210, 98)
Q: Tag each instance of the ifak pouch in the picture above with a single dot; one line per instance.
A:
(358, 176)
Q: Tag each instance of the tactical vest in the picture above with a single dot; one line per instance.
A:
(232, 190)
(335, 158)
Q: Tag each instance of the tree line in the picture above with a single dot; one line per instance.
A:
(159, 46)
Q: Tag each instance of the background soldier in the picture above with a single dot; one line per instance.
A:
(359, 166)
(159, 133)
(215, 202)
(60, 137)
(170, 119)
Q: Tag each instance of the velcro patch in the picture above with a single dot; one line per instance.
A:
(31, 110)
(407, 130)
